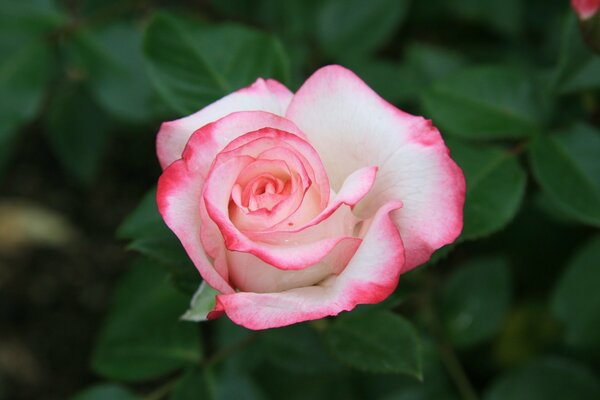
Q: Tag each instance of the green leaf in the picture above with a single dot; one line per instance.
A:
(501, 16)
(495, 187)
(193, 385)
(474, 301)
(402, 82)
(485, 103)
(193, 65)
(434, 386)
(142, 337)
(546, 379)
(305, 354)
(24, 72)
(353, 28)
(576, 299)
(432, 63)
(144, 220)
(78, 133)
(111, 60)
(228, 335)
(201, 304)
(578, 68)
(529, 330)
(379, 341)
(166, 249)
(26, 64)
(567, 167)
(394, 82)
(234, 384)
(106, 391)
(31, 17)
(334, 385)
(152, 238)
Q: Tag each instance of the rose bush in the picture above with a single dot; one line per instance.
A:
(299, 206)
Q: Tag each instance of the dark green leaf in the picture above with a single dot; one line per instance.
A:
(31, 17)
(112, 63)
(432, 63)
(152, 238)
(105, 391)
(78, 132)
(434, 386)
(567, 167)
(378, 341)
(393, 81)
(24, 70)
(229, 335)
(26, 63)
(279, 383)
(165, 248)
(142, 337)
(193, 65)
(495, 187)
(546, 379)
(576, 299)
(504, 16)
(474, 301)
(485, 103)
(193, 385)
(305, 353)
(234, 384)
(578, 68)
(353, 28)
(144, 220)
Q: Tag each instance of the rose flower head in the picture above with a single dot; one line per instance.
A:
(294, 207)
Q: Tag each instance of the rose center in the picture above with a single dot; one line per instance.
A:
(259, 189)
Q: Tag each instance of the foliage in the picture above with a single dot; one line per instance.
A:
(510, 311)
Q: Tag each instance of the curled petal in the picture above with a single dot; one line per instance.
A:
(178, 197)
(263, 95)
(414, 163)
(250, 274)
(371, 275)
(354, 189)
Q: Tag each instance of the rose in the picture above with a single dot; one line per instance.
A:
(585, 9)
(589, 21)
(297, 207)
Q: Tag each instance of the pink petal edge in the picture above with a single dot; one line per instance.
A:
(414, 163)
(263, 95)
(370, 276)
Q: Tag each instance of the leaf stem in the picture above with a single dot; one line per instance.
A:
(166, 388)
(448, 355)
(163, 390)
(227, 351)
(454, 367)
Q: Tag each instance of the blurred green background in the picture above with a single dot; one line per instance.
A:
(92, 284)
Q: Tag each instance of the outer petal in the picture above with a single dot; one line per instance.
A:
(263, 95)
(250, 274)
(351, 127)
(206, 143)
(178, 196)
(371, 275)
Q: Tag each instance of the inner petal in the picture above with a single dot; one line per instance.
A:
(262, 185)
(265, 191)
